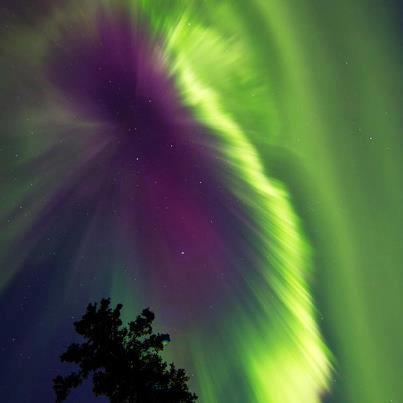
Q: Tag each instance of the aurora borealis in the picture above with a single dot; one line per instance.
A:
(233, 165)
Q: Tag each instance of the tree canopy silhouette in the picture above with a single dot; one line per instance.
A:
(124, 361)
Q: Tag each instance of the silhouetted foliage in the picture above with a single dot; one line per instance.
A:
(124, 360)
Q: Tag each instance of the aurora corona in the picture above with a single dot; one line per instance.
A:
(142, 184)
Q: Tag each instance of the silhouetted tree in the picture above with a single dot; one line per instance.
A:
(124, 360)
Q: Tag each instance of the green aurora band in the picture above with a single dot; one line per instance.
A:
(284, 358)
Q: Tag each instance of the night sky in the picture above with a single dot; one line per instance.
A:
(235, 166)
